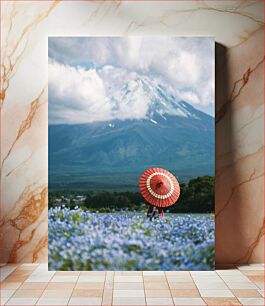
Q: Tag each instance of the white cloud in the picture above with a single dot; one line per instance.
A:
(189, 97)
(77, 95)
(85, 72)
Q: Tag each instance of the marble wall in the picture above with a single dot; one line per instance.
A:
(238, 28)
(240, 151)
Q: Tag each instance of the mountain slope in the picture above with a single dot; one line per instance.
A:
(112, 154)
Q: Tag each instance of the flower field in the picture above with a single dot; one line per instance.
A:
(81, 240)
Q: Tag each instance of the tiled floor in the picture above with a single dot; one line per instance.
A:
(33, 284)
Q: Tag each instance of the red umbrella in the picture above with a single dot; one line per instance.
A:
(159, 187)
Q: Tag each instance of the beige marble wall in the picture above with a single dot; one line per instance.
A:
(240, 152)
(237, 25)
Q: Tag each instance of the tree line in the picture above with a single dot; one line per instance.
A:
(197, 196)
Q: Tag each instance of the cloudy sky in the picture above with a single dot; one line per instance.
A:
(86, 75)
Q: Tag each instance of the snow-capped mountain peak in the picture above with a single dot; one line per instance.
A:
(148, 99)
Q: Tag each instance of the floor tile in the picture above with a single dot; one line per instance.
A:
(177, 273)
(42, 272)
(91, 278)
(215, 301)
(21, 272)
(128, 273)
(7, 293)
(85, 301)
(179, 279)
(110, 275)
(128, 293)
(182, 293)
(110, 284)
(216, 293)
(241, 285)
(16, 278)
(33, 286)
(107, 297)
(10, 265)
(235, 279)
(56, 294)
(6, 270)
(28, 293)
(53, 301)
(4, 274)
(10, 286)
(87, 293)
(3, 300)
(156, 286)
(151, 273)
(22, 301)
(44, 265)
(246, 293)
(188, 301)
(214, 278)
(261, 292)
(109, 280)
(94, 273)
(38, 279)
(157, 293)
(203, 273)
(64, 279)
(253, 272)
(67, 273)
(28, 266)
(256, 278)
(88, 285)
(250, 267)
(252, 301)
(211, 285)
(129, 286)
(128, 279)
(154, 278)
(182, 286)
(260, 285)
(208, 280)
(60, 286)
(231, 272)
(135, 301)
(159, 301)
(30, 284)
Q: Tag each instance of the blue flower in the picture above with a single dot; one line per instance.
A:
(80, 240)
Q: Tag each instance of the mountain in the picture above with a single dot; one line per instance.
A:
(112, 154)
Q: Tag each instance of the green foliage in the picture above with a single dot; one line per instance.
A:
(197, 196)
(107, 201)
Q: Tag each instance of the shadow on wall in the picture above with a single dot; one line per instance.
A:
(221, 140)
(232, 236)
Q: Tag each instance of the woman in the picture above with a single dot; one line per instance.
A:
(160, 189)
(152, 212)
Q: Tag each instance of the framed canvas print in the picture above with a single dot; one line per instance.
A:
(131, 153)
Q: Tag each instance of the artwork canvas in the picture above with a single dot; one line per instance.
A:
(131, 153)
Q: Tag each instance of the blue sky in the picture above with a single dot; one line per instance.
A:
(87, 73)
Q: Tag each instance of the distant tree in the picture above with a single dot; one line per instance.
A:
(197, 196)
